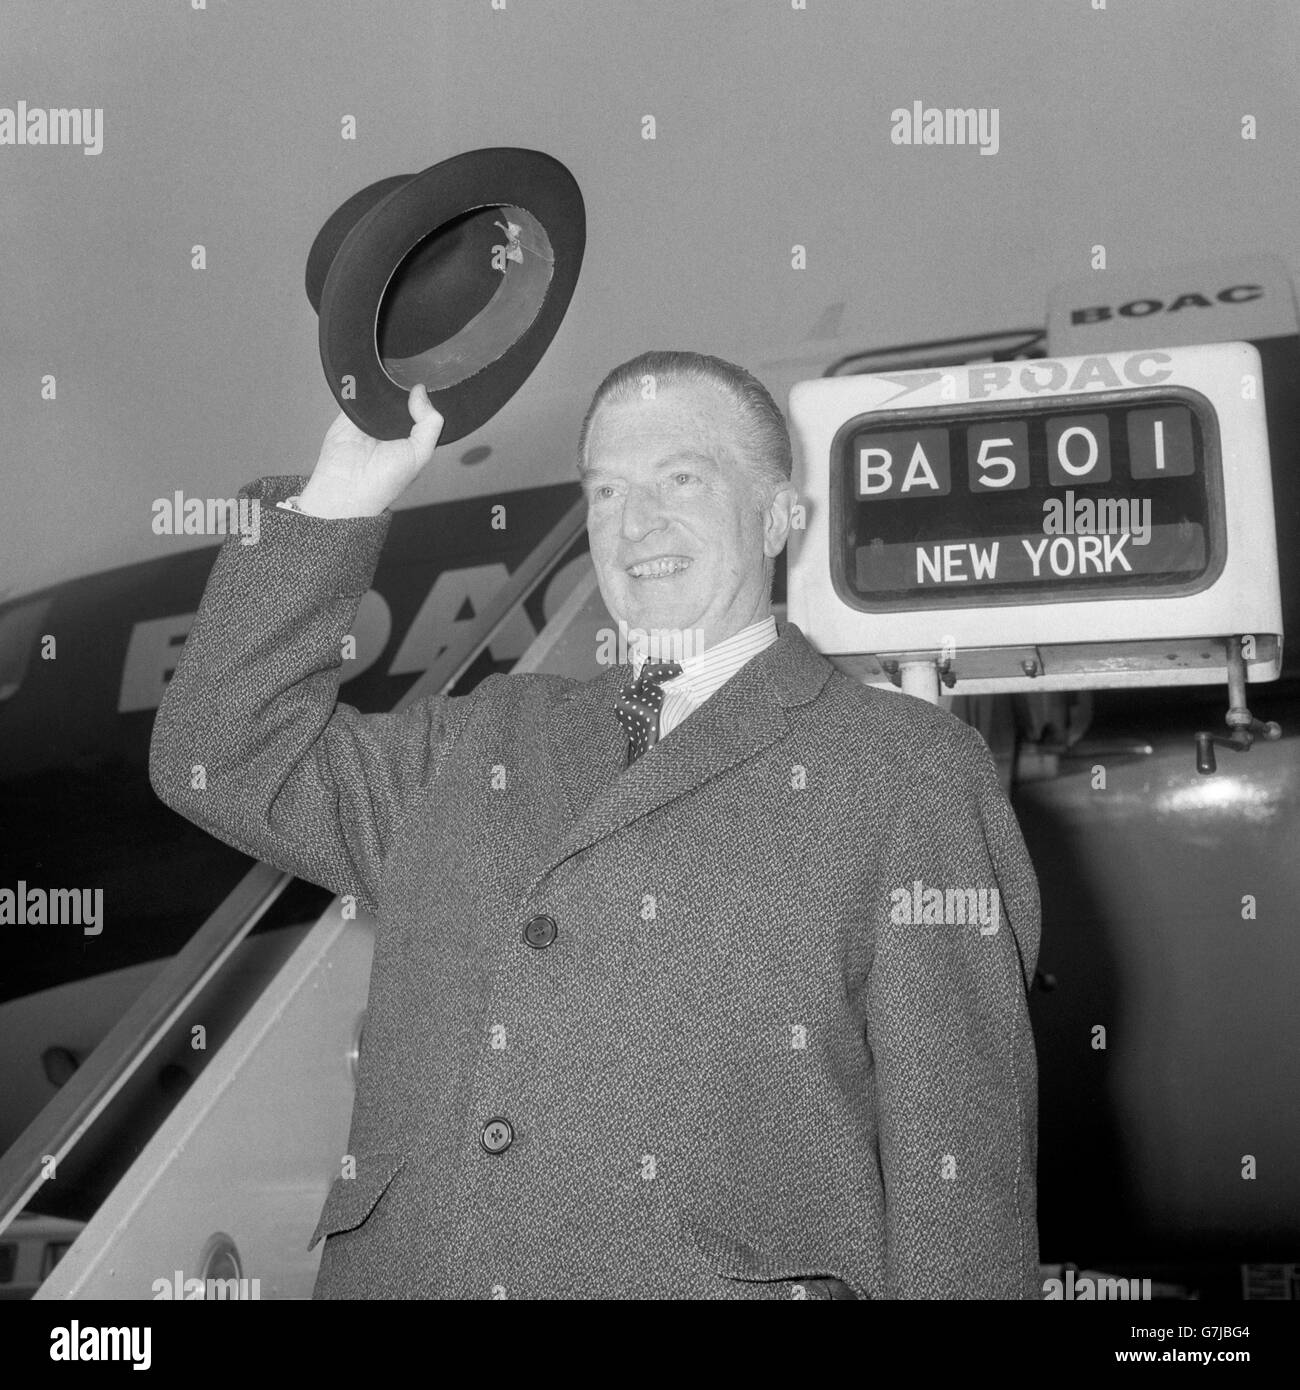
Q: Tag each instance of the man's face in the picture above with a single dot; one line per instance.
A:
(678, 532)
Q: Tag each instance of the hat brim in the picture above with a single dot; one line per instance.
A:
(376, 246)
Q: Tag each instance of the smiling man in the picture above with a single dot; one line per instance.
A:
(644, 1019)
(685, 462)
(686, 466)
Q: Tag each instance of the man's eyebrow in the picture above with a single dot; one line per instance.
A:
(592, 475)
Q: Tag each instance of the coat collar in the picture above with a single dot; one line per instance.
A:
(587, 747)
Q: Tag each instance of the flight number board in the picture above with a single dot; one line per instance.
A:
(1046, 501)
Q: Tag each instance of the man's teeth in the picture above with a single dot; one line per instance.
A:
(654, 569)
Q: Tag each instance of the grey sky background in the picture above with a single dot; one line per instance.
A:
(221, 127)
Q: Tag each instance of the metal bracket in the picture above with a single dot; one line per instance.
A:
(1243, 725)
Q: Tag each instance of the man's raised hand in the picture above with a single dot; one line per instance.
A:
(356, 475)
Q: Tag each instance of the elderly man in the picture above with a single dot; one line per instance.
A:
(687, 1004)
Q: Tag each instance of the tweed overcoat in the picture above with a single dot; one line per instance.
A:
(733, 1072)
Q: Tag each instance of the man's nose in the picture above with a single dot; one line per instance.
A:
(642, 513)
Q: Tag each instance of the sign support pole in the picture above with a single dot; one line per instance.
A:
(920, 678)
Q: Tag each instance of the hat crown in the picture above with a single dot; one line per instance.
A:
(336, 228)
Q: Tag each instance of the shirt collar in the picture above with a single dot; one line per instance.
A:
(725, 657)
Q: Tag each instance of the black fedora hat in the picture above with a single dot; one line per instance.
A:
(457, 277)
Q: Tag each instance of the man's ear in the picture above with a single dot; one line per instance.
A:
(776, 519)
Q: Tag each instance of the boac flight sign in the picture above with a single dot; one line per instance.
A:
(1059, 523)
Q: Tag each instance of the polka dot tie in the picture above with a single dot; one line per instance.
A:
(638, 706)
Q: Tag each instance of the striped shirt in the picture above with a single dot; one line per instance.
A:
(706, 674)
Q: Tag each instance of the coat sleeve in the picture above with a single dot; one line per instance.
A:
(949, 1034)
(251, 742)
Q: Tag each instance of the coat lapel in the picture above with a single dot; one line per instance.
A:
(587, 747)
(585, 742)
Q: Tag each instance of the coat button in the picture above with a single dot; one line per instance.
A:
(497, 1135)
(540, 932)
